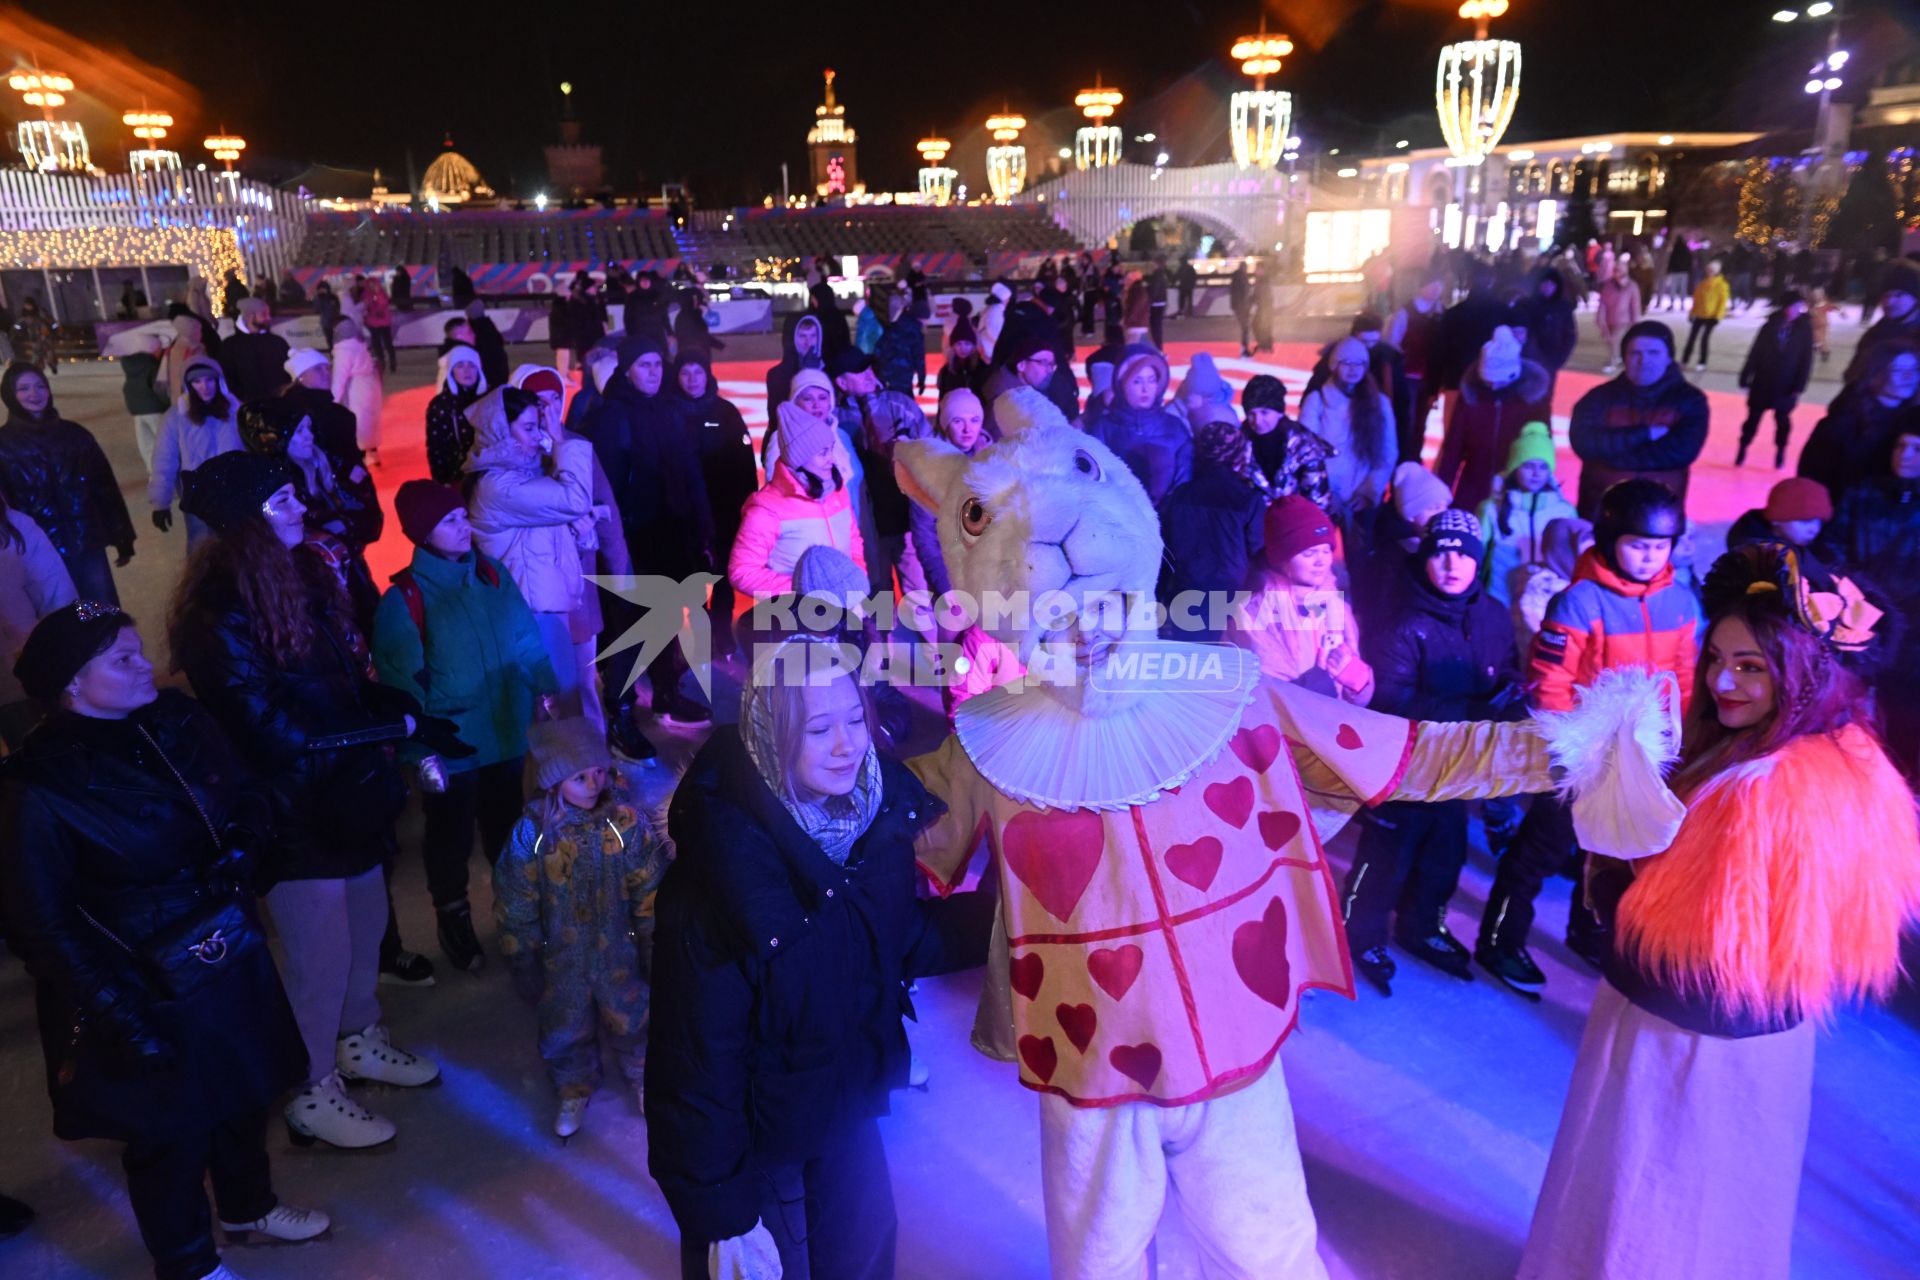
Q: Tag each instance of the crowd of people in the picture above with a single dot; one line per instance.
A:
(747, 960)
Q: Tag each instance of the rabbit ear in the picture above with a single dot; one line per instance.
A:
(927, 470)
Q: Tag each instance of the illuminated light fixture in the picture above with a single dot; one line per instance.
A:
(148, 126)
(43, 89)
(1819, 9)
(1259, 119)
(1349, 173)
(1398, 166)
(1785, 15)
(1666, 139)
(1096, 144)
(1402, 145)
(1006, 158)
(1520, 153)
(225, 148)
(540, 202)
(936, 179)
(1837, 59)
(1477, 86)
(1813, 86)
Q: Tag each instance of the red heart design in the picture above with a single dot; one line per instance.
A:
(1196, 863)
(1137, 1061)
(1055, 855)
(1276, 828)
(1349, 737)
(1116, 968)
(1260, 956)
(1039, 1055)
(1024, 974)
(1257, 747)
(1232, 801)
(1078, 1021)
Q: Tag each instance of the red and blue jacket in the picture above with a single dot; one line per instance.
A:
(1605, 620)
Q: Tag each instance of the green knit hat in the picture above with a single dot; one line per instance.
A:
(1533, 444)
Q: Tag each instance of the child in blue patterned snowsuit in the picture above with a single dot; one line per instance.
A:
(573, 896)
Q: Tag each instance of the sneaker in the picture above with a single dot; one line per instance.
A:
(1377, 967)
(628, 741)
(407, 969)
(1441, 950)
(372, 1055)
(567, 1122)
(683, 712)
(457, 942)
(324, 1113)
(285, 1225)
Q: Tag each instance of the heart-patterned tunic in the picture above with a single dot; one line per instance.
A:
(1156, 951)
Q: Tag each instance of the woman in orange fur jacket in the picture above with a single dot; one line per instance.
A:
(1680, 1148)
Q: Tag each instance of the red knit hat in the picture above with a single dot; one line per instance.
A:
(1294, 524)
(1798, 498)
(422, 504)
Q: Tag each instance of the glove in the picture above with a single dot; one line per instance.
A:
(529, 978)
(163, 519)
(123, 556)
(441, 736)
(752, 1256)
(385, 700)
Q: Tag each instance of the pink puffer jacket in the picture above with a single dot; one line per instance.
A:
(781, 521)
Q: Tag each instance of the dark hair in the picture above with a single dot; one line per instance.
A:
(275, 586)
(10, 396)
(199, 410)
(516, 401)
(1366, 414)
(1365, 322)
(1813, 693)
(1879, 357)
(446, 330)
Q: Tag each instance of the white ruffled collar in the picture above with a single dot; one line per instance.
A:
(1039, 750)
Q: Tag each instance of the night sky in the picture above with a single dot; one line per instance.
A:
(719, 94)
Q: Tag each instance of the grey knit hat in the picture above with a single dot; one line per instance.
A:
(562, 748)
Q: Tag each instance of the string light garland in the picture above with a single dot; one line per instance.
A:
(208, 252)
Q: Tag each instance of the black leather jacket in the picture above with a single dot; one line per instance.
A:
(318, 732)
(92, 819)
(56, 473)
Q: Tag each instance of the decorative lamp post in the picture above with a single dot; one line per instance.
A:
(46, 144)
(1096, 144)
(1007, 158)
(1262, 118)
(225, 148)
(150, 160)
(936, 179)
(1475, 90)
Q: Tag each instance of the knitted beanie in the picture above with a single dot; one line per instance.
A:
(1416, 489)
(1798, 498)
(809, 377)
(421, 505)
(827, 571)
(1453, 530)
(267, 426)
(1533, 444)
(1500, 358)
(1264, 391)
(1293, 525)
(229, 487)
(302, 359)
(562, 748)
(958, 400)
(537, 378)
(802, 435)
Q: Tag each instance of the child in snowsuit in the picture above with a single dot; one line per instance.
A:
(573, 898)
(1526, 498)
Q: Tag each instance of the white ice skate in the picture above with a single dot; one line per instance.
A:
(324, 1113)
(372, 1055)
(567, 1122)
(285, 1225)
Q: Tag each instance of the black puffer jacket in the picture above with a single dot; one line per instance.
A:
(92, 819)
(777, 982)
(255, 364)
(1441, 657)
(334, 427)
(1212, 526)
(1855, 439)
(54, 471)
(726, 458)
(648, 452)
(1875, 531)
(317, 731)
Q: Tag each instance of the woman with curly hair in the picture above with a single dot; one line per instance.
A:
(261, 627)
(1680, 1148)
